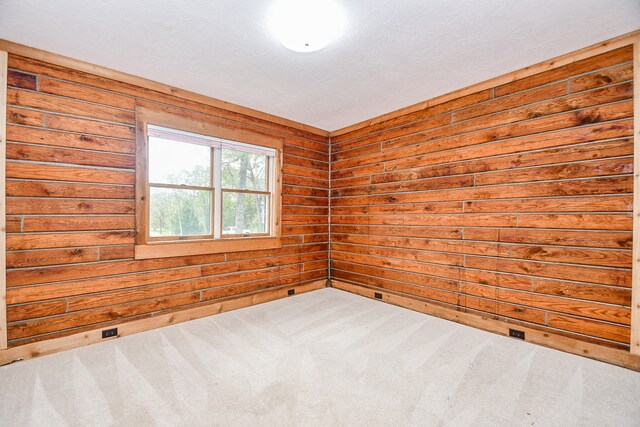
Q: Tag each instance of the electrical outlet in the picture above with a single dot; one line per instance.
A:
(516, 334)
(108, 333)
(378, 295)
(291, 292)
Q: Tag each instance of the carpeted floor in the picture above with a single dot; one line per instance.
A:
(326, 358)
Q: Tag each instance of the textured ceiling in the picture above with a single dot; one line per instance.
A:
(394, 53)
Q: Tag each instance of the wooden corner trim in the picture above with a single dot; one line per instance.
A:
(3, 225)
(547, 339)
(559, 61)
(76, 64)
(635, 274)
(42, 348)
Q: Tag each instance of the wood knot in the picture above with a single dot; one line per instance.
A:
(602, 79)
(588, 119)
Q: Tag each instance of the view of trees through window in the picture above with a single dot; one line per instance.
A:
(244, 212)
(176, 212)
(181, 190)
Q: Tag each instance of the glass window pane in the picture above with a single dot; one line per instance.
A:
(243, 171)
(180, 163)
(244, 213)
(177, 212)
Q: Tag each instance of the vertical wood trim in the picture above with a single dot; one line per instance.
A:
(141, 179)
(635, 290)
(277, 193)
(3, 221)
(216, 183)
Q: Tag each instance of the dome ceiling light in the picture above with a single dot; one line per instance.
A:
(306, 25)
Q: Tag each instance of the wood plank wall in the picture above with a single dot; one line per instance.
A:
(512, 202)
(70, 209)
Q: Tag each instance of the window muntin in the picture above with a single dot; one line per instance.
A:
(202, 187)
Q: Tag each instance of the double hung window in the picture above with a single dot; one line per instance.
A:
(205, 188)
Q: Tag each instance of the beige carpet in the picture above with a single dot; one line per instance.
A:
(324, 358)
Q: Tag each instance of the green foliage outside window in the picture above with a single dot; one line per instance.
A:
(187, 212)
(181, 212)
(244, 213)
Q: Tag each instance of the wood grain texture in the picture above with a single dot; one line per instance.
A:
(532, 334)
(91, 336)
(513, 202)
(635, 303)
(107, 74)
(479, 88)
(510, 201)
(3, 198)
(71, 169)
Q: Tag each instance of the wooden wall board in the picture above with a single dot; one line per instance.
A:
(472, 91)
(548, 339)
(71, 163)
(107, 73)
(42, 348)
(3, 205)
(635, 304)
(513, 202)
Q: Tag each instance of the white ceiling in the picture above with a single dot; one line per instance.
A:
(394, 53)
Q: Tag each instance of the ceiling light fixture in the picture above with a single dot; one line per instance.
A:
(306, 25)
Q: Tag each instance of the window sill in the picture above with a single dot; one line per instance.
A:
(187, 248)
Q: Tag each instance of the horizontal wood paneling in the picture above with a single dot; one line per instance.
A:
(514, 202)
(533, 333)
(101, 77)
(70, 209)
(89, 335)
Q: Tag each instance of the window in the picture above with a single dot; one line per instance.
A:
(203, 188)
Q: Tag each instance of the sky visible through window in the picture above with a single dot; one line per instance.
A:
(179, 210)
